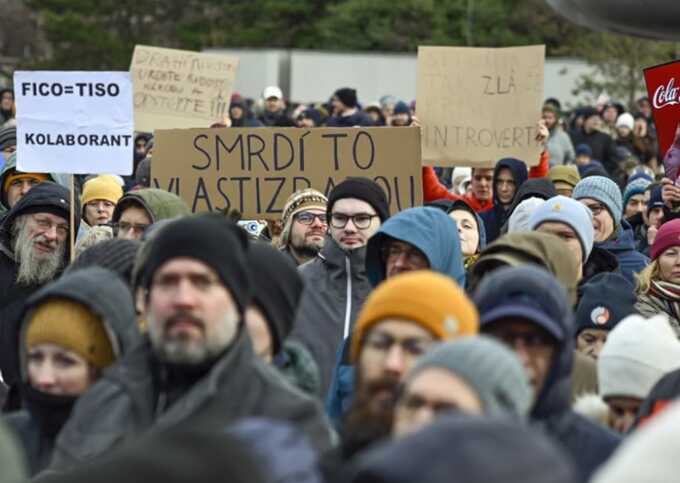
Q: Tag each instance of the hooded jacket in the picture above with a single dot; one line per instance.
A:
(105, 295)
(449, 206)
(159, 204)
(496, 217)
(7, 169)
(429, 230)
(126, 403)
(588, 444)
(623, 247)
(336, 286)
(46, 195)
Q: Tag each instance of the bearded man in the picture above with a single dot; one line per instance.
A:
(33, 251)
(304, 225)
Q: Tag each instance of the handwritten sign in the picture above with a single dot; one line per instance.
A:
(180, 88)
(74, 122)
(479, 105)
(255, 170)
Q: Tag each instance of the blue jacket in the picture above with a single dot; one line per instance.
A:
(495, 217)
(428, 229)
(623, 247)
(359, 118)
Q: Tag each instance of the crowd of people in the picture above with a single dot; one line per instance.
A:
(521, 326)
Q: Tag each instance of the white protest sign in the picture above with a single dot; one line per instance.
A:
(74, 122)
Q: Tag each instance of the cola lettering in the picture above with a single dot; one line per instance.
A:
(666, 95)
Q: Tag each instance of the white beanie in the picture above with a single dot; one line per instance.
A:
(625, 120)
(638, 353)
(519, 219)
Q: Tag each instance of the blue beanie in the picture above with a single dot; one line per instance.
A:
(605, 300)
(635, 187)
(570, 212)
(655, 199)
(603, 190)
(401, 108)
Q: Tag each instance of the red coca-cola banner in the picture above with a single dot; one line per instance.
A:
(663, 88)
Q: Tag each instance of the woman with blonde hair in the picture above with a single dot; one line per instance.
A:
(658, 287)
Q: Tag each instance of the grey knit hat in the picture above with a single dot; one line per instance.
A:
(492, 370)
(605, 191)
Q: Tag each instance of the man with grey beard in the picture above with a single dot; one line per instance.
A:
(197, 365)
(34, 250)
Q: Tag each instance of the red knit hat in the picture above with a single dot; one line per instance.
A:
(668, 236)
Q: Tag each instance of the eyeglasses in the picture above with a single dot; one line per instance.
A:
(45, 224)
(382, 342)
(360, 220)
(307, 218)
(394, 250)
(126, 227)
(596, 208)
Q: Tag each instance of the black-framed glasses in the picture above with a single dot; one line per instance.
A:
(360, 220)
(307, 218)
(596, 208)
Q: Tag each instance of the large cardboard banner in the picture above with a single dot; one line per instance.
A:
(74, 122)
(255, 170)
(180, 88)
(477, 105)
(663, 87)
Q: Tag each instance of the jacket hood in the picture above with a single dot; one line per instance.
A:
(519, 173)
(428, 229)
(160, 204)
(9, 167)
(450, 206)
(104, 293)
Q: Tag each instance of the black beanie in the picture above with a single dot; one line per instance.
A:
(605, 300)
(347, 96)
(276, 289)
(211, 239)
(363, 189)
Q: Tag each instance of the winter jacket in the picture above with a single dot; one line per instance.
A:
(126, 402)
(13, 295)
(560, 147)
(434, 190)
(359, 118)
(599, 261)
(326, 313)
(298, 366)
(496, 217)
(603, 147)
(104, 294)
(275, 119)
(649, 305)
(159, 204)
(429, 230)
(623, 247)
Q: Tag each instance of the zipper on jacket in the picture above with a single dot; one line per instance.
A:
(348, 305)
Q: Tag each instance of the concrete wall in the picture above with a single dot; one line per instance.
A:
(307, 76)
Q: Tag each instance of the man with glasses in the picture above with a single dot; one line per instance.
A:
(602, 197)
(34, 249)
(305, 225)
(527, 309)
(139, 209)
(197, 366)
(15, 184)
(335, 281)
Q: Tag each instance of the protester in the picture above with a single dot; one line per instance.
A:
(277, 287)
(401, 115)
(471, 231)
(634, 198)
(33, 251)
(6, 106)
(638, 352)
(527, 308)
(612, 233)
(197, 365)
(71, 331)
(117, 255)
(139, 209)
(304, 225)
(558, 144)
(346, 111)
(93, 236)
(274, 114)
(98, 200)
(601, 144)
(15, 184)
(240, 115)
(374, 111)
(605, 300)
(400, 321)
(335, 281)
(471, 375)
(309, 118)
(415, 239)
(653, 218)
(658, 286)
(565, 179)
(509, 174)
(467, 449)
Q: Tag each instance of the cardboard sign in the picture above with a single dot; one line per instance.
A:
(180, 88)
(663, 88)
(478, 105)
(255, 170)
(74, 122)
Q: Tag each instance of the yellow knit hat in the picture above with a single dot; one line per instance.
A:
(9, 179)
(101, 188)
(427, 298)
(72, 326)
